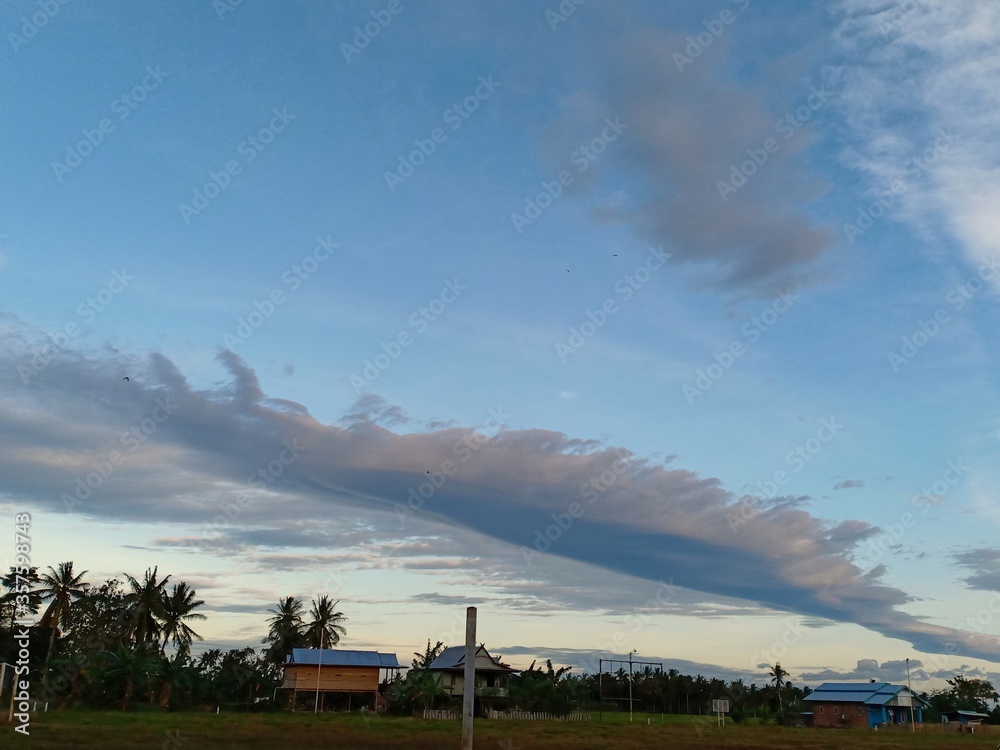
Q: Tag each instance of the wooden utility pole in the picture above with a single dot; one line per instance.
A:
(469, 693)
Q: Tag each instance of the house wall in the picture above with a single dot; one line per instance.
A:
(342, 679)
(454, 682)
(828, 715)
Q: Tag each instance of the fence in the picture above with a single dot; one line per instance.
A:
(538, 716)
(521, 715)
(439, 714)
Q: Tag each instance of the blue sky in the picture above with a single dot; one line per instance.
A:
(679, 323)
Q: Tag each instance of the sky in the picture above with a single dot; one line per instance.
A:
(665, 328)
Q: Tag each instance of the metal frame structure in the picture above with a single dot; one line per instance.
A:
(631, 662)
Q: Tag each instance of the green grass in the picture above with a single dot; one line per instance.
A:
(150, 730)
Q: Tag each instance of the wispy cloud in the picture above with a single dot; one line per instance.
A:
(752, 241)
(908, 79)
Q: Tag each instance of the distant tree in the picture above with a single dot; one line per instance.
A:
(177, 674)
(10, 610)
(972, 694)
(128, 668)
(238, 675)
(537, 689)
(778, 675)
(145, 602)
(178, 608)
(421, 687)
(325, 629)
(61, 587)
(424, 660)
(286, 630)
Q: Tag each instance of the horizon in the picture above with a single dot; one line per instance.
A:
(635, 327)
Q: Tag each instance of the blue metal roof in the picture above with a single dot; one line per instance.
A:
(869, 693)
(334, 657)
(453, 657)
(843, 696)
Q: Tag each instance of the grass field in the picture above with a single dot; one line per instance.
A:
(191, 731)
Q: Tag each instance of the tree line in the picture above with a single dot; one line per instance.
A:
(128, 640)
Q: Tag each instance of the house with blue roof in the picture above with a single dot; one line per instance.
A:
(351, 676)
(864, 704)
(963, 717)
(492, 675)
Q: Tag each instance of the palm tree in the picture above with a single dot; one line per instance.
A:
(285, 629)
(778, 675)
(177, 609)
(9, 601)
(325, 629)
(127, 665)
(172, 675)
(146, 607)
(63, 587)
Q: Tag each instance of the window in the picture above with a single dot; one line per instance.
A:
(836, 709)
(860, 712)
(821, 709)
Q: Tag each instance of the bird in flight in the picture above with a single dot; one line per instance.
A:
(125, 378)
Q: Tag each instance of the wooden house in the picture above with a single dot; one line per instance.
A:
(492, 676)
(333, 671)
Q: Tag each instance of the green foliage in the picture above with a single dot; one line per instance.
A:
(325, 629)
(424, 660)
(966, 694)
(548, 690)
(286, 630)
(420, 689)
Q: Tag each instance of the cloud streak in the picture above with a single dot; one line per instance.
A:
(654, 522)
